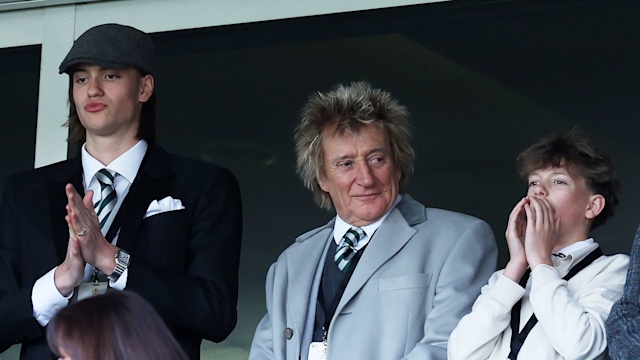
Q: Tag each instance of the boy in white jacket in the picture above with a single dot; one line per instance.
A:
(554, 296)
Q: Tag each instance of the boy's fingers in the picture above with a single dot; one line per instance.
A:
(531, 215)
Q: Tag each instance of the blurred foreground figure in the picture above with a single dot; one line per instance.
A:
(115, 326)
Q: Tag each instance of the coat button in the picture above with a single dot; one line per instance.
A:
(288, 333)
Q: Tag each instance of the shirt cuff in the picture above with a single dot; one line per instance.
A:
(507, 291)
(544, 275)
(545, 272)
(121, 283)
(46, 298)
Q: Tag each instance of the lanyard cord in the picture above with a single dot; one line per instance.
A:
(518, 338)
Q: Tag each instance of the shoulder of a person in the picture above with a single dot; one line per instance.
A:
(454, 226)
(312, 234)
(613, 262)
(305, 240)
(451, 217)
(26, 176)
(415, 212)
(185, 165)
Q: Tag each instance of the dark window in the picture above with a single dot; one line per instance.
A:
(19, 83)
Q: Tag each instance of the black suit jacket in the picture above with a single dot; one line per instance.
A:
(185, 262)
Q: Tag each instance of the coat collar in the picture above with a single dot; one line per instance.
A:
(412, 211)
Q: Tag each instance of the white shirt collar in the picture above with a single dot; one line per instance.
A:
(341, 227)
(576, 246)
(126, 165)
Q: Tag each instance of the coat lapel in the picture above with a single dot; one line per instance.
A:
(304, 263)
(149, 184)
(70, 172)
(389, 239)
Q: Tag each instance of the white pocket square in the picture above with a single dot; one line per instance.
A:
(164, 205)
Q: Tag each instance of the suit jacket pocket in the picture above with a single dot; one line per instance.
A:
(163, 239)
(410, 281)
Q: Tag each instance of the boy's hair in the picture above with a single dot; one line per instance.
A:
(574, 152)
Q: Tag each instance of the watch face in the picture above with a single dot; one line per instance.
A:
(123, 256)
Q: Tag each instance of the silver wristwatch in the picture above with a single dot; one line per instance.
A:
(122, 263)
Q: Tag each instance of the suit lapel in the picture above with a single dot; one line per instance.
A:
(149, 184)
(304, 264)
(70, 172)
(390, 237)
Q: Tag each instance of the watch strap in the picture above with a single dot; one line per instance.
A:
(122, 263)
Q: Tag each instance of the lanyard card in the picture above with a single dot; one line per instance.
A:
(89, 289)
(317, 351)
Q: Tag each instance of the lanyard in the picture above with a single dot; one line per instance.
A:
(518, 338)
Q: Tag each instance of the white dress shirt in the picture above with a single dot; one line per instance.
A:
(45, 297)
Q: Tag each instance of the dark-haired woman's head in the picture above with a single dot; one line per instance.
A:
(116, 326)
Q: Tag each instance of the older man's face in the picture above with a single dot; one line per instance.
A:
(360, 175)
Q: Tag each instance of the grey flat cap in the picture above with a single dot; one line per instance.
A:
(112, 46)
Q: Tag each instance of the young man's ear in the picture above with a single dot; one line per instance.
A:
(146, 88)
(595, 206)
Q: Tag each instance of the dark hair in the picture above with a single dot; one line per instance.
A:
(146, 128)
(349, 109)
(574, 152)
(116, 326)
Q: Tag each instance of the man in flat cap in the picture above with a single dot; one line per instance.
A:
(122, 215)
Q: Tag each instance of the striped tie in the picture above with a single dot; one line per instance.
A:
(107, 200)
(346, 250)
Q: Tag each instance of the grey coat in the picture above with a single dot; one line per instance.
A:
(421, 273)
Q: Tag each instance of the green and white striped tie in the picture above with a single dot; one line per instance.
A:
(347, 248)
(107, 200)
